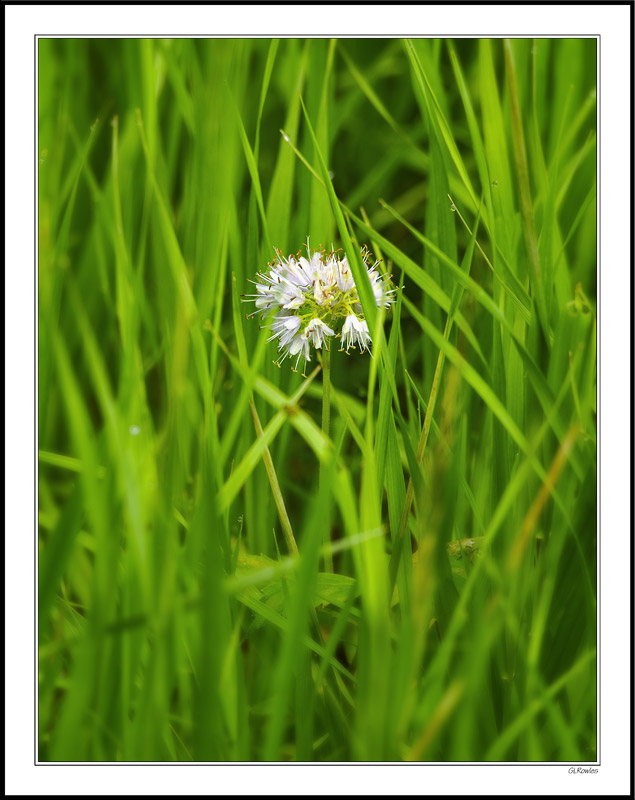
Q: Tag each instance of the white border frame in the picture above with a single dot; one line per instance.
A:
(612, 24)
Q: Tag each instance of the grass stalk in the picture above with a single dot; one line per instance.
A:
(326, 427)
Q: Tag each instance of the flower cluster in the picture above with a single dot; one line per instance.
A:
(310, 298)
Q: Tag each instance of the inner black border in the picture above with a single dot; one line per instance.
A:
(598, 279)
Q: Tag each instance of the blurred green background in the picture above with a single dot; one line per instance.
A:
(443, 604)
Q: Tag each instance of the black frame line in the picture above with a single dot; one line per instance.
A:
(598, 762)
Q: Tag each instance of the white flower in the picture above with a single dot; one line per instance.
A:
(383, 295)
(279, 292)
(299, 346)
(344, 276)
(290, 296)
(315, 297)
(285, 328)
(317, 330)
(299, 271)
(265, 299)
(355, 332)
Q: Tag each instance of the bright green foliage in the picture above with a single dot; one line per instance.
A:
(441, 605)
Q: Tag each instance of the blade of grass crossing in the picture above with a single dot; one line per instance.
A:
(282, 183)
(362, 281)
(456, 298)
(298, 608)
(436, 114)
(526, 203)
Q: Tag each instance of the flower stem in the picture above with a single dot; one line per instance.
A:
(285, 522)
(326, 424)
(326, 391)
